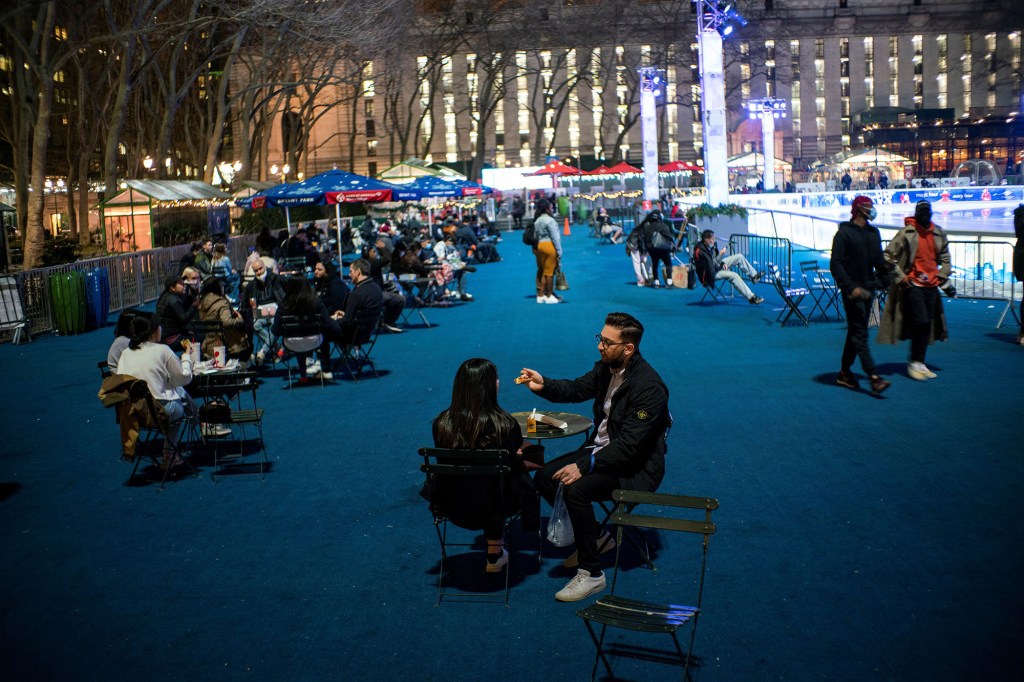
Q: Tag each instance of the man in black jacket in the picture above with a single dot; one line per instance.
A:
(711, 263)
(363, 303)
(858, 269)
(626, 450)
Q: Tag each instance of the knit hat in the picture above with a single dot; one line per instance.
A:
(861, 204)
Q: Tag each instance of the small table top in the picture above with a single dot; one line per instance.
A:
(577, 423)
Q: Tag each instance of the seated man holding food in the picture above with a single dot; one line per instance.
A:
(626, 450)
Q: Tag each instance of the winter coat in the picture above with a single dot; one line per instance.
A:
(899, 256)
(136, 409)
(213, 308)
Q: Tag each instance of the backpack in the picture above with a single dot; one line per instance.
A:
(530, 235)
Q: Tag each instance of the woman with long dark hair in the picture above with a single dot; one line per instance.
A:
(301, 301)
(475, 421)
(165, 374)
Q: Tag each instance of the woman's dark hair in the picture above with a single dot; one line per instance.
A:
(299, 298)
(141, 328)
(213, 285)
(124, 322)
(474, 419)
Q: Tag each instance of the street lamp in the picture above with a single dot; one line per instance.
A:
(147, 162)
(767, 109)
(714, 22)
(650, 88)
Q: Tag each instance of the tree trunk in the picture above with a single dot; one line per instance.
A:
(35, 230)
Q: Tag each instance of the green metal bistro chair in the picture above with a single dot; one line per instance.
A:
(489, 468)
(616, 611)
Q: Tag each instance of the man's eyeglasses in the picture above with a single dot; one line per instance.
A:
(601, 341)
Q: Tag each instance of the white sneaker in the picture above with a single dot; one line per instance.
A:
(581, 586)
(552, 299)
(542, 299)
(312, 369)
(605, 543)
(497, 565)
(641, 283)
(324, 376)
(921, 367)
(918, 372)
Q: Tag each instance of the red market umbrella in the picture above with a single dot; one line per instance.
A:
(676, 166)
(555, 167)
(622, 167)
(600, 170)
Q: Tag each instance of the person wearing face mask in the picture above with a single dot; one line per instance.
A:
(626, 450)
(263, 294)
(919, 258)
(858, 269)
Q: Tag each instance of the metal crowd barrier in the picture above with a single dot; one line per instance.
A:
(761, 251)
(135, 278)
(984, 270)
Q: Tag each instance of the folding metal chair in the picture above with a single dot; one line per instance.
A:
(227, 387)
(357, 351)
(615, 611)
(822, 288)
(142, 410)
(12, 311)
(715, 291)
(300, 334)
(489, 468)
(791, 298)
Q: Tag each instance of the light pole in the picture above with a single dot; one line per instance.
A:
(147, 163)
(714, 19)
(767, 109)
(650, 88)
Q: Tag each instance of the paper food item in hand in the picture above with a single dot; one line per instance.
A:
(548, 419)
(522, 379)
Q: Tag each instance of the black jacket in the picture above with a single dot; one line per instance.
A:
(705, 263)
(332, 292)
(857, 258)
(175, 313)
(637, 423)
(268, 291)
(364, 302)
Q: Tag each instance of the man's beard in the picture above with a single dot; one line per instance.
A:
(617, 363)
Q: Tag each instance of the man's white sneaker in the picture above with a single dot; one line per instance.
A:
(927, 372)
(552, 299)
(918, 372)
(605, 543)
(542, 299)
(312, 369)
(581, 586)
(498, 563)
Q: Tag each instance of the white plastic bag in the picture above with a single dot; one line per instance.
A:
(559, 526)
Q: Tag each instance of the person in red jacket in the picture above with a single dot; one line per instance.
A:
(919, 258)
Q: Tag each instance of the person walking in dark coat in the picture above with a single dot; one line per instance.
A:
(858, 269)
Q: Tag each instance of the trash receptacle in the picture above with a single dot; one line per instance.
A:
(97, 298)
(67, 298)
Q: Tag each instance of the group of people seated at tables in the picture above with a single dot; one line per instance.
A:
(298, 275)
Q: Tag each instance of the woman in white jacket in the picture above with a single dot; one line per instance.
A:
(164, 372)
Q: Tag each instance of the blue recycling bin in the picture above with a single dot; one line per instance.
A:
(97, 298)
